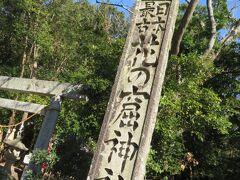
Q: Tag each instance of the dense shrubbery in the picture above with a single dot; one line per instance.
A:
(197, 132)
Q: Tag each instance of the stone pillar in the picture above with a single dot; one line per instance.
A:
(126, 133)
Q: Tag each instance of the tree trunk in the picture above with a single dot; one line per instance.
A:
(213, 28)
(178, 35)
(23, 64)
(177, 38)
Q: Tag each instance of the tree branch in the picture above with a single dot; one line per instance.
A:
(232, 33)
(177, 38)
(213, 28)
(114, 4)
(187, 1)
(229, 37)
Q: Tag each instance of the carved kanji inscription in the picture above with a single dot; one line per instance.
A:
(135, 96)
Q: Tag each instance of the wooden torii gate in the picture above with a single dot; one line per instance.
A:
(126, 133)
(54, 89)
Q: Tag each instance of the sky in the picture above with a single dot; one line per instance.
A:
(236, 3)
(130, 3)
(127, 3)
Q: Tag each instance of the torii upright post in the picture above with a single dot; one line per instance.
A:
(126, 133)
(46, 131)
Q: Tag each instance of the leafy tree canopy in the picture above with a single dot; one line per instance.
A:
(197, 131)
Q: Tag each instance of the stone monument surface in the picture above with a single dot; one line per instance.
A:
(125, 137)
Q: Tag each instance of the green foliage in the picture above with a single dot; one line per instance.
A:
(31, 176)
(197, 129)
(40, 157)
(222, 14)
(77, 43)
(190, 116)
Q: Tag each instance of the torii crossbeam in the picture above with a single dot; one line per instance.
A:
(47, 88)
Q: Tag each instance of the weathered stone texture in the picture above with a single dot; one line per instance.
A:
(128, 125)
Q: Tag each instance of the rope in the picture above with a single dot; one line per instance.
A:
(17, 124)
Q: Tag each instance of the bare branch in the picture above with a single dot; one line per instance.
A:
(232, 34)
(213, 28)
(114, 4)
(235, 7)
(177, 38)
